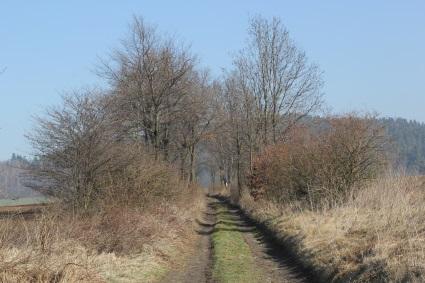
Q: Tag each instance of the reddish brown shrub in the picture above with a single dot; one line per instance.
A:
(321, 164)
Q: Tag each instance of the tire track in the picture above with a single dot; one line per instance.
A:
(273, 264)
(199, 266)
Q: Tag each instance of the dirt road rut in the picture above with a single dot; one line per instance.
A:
(272, 263)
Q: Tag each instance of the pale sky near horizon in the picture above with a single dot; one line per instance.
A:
(371, 52)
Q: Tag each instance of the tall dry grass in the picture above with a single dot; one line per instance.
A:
(377, 236)
(136, 242)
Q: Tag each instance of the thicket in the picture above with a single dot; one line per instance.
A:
(120, 165)
(134, 142)
(323, 165)
(86, 164)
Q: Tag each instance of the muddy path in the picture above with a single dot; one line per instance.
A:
(271, 262)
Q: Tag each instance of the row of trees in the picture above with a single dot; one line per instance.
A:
(160, 101)
(161, 98)
(271, 87)
(162, 106)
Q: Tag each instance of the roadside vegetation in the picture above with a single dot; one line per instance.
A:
(374, 237)
(122, 166)
(122, 236)
(321, 184)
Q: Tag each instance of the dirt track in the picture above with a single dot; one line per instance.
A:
(199, 266)
(271, 260)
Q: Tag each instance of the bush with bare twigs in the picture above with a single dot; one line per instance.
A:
(323, 165)
(129, 230)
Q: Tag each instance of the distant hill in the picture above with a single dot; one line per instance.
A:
(408, 138)
(12, 175)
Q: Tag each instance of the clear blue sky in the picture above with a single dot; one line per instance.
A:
(372, 52)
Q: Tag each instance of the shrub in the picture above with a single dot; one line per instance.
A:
(75, 147)
(142, 181)
(321, 165)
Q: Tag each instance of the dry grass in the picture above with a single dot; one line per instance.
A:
(378, 236)
(171, 241)
(136, 227)
(118, 244)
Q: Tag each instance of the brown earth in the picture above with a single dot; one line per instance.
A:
(199, 265)
(271, 259)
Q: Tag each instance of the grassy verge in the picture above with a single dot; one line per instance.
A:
(118, 244)
(376, 237)
(167, 252)
(232, 257)
(151, 264)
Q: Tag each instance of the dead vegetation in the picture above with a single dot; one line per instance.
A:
(120, 243)
(123, 164)
(320, 164)
(375, 237)
(123, 179)
(325, 193)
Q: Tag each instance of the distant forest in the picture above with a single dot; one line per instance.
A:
(408, 143)
(12, 178)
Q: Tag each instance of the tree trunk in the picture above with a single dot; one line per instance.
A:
(238, 166)
(156, 136)
(192, 164)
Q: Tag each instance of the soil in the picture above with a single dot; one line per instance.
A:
(271, 259)
(199, 266)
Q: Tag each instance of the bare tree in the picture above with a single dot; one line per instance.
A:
(193, 122)
(271, 88)
(285, 86)
(230, 141)
(234, 101)
(159, 99)
(73, 143)
(151, 75)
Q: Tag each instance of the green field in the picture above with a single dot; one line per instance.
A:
(23, 201)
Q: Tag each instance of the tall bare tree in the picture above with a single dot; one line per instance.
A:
(151, 75)
(193, 122)
(285, 86)
(271, 87)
